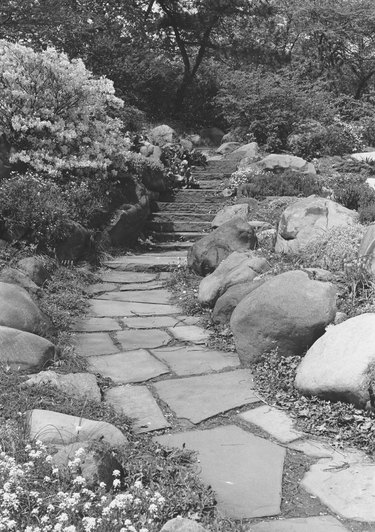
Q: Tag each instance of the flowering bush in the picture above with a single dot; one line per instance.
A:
(35, 496)
(57, 116)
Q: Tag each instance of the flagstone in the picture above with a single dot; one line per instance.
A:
(134, 263)
(98, 288)
(127, 277)
(321, 523)
(200, 398)
(129, 366)
(96, 325)
(190, 333)
(96, 343)
(153, 285)
(245, 471)
(345, 484)
(137, 402)
(150, 322)
(141, 296)
(144, 338)
(313, 448)
(274, 421)
(192, 360)
(189, 320)
(109, 308)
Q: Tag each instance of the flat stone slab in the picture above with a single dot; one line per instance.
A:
(346, 485)
(131, 366)
(321, 523)
(137, 402)
(107, 308)
(153, 285)
(191, 360)
(144, 338)
(54, 427)
(151, 322)
(82, 385)
(190, 333)
(127, 277)
(189, 320)
(91, 344)
(156, 261)
(141, 296)
(98, 288)
(245, 471)
(96, 325)
(199, 398)
(313, 448)
(274, 421)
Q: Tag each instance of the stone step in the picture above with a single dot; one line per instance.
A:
(196, 208)
(184, 226)
(194, 196)
(191, 236)
(171, 246)
(176, 216)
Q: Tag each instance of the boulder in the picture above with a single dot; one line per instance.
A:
(23, 350)
(227, 302)
(278, 162)
(18, 310)
(205, 255)
(77, 245)
(229, 212)
(54, 427)
(35, 268)
(289, 311)
(196, 140)
(308, 218)
(211, 136)
(340, 366)
(181, 524)
(161, 135)
(186, 144)
(364, 156)
(81, 385)
(366, 252)
(227, 147)
(238, 267)
(96, 463)
(15, 276)
(245, 154)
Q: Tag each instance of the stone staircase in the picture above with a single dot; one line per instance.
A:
(183, 216)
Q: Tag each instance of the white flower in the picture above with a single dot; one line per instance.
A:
(116, 473)
(116, 483)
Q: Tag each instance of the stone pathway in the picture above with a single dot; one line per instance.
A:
(202, 399)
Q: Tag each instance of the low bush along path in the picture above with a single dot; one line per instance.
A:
(259, 465)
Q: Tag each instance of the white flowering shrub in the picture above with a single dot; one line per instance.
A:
(35, 496)
(59, 118)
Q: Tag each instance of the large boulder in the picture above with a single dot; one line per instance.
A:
(15, 276)
(23, 350)
(18, 310)
(205, 255)
(227, 302)
(308, 218)
(81, 385)
(340, 366)
(245, 154)
(161, 135)
(238, 267)
(366, 252)
(278, 162)
(54, 427)
(229, 212)
(289, 312)
(228, 147)
(35, 268)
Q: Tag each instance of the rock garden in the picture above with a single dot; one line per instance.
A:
(187, 261)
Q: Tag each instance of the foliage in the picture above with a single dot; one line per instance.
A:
(56, 115)
(367, 213)
(352, 191)
(179, 162)
(34, 210)
(274, 377)
(258, 184)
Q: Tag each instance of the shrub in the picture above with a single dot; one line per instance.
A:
(287, 183)
(352, 191)
(367, 214)
(34, 210)
(58, 117)
(336, 250)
